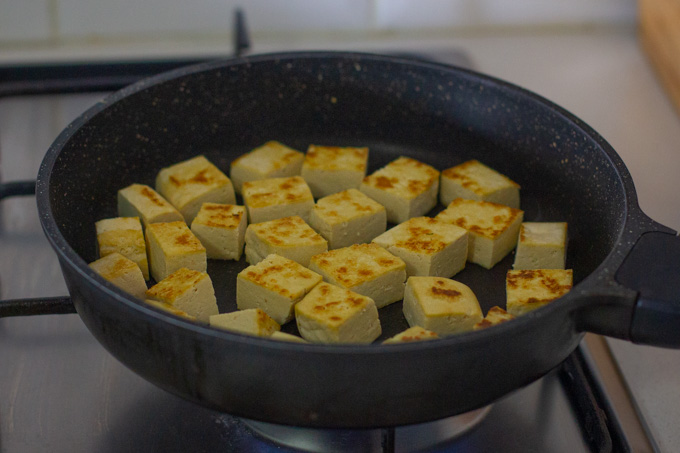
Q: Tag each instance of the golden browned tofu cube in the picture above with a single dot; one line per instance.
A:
(428, 246)
(541, 245)
(493, 228)
(187, 290)
(473, 180)
(330, 314)
(122, 272)
(221, 228)
(332, 169)
(170, 309)
(274, 198)
(415, 333)
(348, 217)
(441, 305)
(252, 321)
(406, 187)
(289, 237)
(274, 285)
(172, 246)
(138, 200)
(367, 269)
(271, 160)
(527, 290)
(123, 235)
(189, 184)
(495, 316)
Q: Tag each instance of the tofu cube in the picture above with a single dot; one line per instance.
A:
(283, 336)
(252, 322)
(348, 217)
(138, 200)
(330, 314)
(122, 272)
(172, 246)
(221, 228)
(415, 333)
(123, 235)
(332, 169)
(187, 290)
(170, 309)
(428, 246)
(406, 187)
(495, 316)
(274, 198)
(493, 228)
(290, 237)
(441, 305)
(541, 245)
(527, 290)
(189, 184)
(367, 269)
(271, 160)
(473, 180)
(274, 285)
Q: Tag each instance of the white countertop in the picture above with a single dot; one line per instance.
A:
(601, 76)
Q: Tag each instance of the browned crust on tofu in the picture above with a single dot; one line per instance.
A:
(153, 197)
(438, 291)
(503, 218)
(357, 263)
(220, 215)
(392, 177)
(496, 315)
(287, 190)
(175, 284)
(539, 278)
(460, 173)
(334, 158)
(280, 231)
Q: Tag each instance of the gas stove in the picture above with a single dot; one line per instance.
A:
(61, 391)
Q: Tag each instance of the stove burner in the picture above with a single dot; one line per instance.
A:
(401, 439)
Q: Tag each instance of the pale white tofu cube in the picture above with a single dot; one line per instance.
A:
(283, 336)
(415, 333)
(138, 200)
(123, 235)
(122, 272)
(269, 199)
(495, 316)
(493, 228)
(527, 290)
(221, 228)
(406, 187)
(170, 309)
(330, 314)
(541, 245)
(271, 160)
(274, 285)
(189, 184)
(348, 217)
(290, 237)
(252, 322)
(428, 246)
(367, 269)
(441, 305)
(332, 169)
(473, 180)
(187, 290)
(172, 246)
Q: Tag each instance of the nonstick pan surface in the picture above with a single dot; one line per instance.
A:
(437, 114)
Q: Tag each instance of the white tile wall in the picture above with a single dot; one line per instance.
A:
(24, 21)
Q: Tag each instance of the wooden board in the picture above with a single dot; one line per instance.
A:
(660, 37)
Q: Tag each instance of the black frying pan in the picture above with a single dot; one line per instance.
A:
(625, 265)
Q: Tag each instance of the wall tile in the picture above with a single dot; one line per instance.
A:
(124, 17)
(24, 20)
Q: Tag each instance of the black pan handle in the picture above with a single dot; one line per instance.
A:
(645, 308)
(39, 306)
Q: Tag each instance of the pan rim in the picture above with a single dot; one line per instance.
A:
(68, 255)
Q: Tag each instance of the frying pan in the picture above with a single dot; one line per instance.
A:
(625, 265)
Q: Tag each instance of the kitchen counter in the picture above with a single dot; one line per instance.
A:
(600, 75)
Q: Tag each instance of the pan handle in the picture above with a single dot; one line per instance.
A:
(37, 306)
(648, 280)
